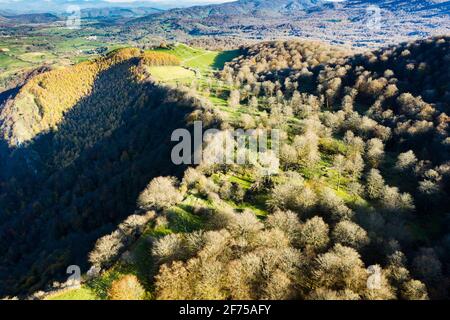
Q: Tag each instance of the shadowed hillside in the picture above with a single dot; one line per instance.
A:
(357, 207)
(67, 186)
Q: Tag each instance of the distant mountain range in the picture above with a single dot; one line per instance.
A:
(60, 6)
(366, 23)
(294, 7)
(118, 12)
(11, 17)
(27, 18)
(363, 21)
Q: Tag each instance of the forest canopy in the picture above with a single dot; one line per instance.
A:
(358, 210)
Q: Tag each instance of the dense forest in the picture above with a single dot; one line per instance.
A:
(82, 149)
(365, 181)
(363, 186)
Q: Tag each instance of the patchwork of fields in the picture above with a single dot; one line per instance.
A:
(49, 46)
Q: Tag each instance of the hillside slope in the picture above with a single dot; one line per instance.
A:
(97, 132)
(357, 210)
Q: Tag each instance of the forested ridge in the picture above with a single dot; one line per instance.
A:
(363, 185)
(93, 151)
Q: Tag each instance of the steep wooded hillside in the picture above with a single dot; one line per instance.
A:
(91, 136)
(358, 209)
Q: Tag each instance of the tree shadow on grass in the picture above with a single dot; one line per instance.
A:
(224, 57)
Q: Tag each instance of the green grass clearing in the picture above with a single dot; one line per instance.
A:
(203, 60)
(82, 293)
(171, 73)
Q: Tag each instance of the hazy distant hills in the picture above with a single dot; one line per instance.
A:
(3, 20)
(244, 8)
(61, 6)
(11, 18)
(428, 7)
(28, 18)
(295, 7)
(117, 12)
(364, 22)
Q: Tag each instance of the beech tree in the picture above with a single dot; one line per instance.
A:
(286, 221)
(340, 268)
(375, 152)
(313, 234)
(234, 98)
(307, 147)
(293, 195)
(160, 193)
(374, 184)
(394, 201)
(126, 288)
(406, 160)
(414, 290)
(350, 234)
(333, 206)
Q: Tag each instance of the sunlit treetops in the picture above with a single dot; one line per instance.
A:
(159, 59)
